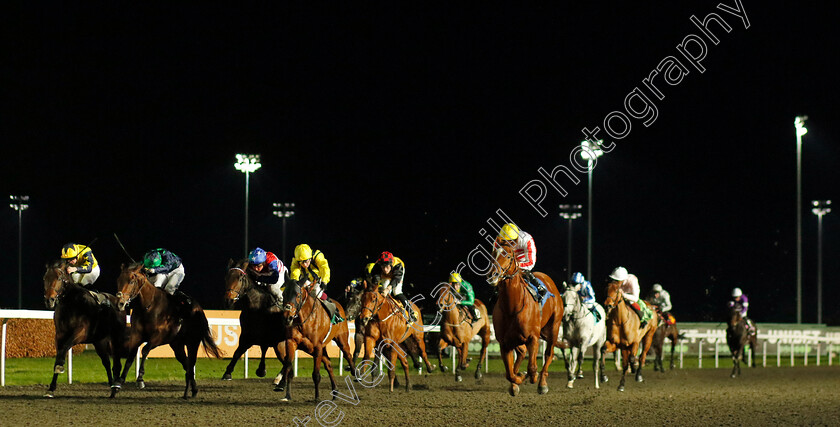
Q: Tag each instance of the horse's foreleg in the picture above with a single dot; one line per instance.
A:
(533, 345)
(288, 374)
(344, 345)
(520, 356)
(442, 345)
(143, 355)
(317, 355)
(189, 370)
(674, 340)
(237, 354)
(261, 367)
(101, 348)
(404, 363)
(485, 341)
(358, 343)
(571, 367)
(510, 370)
(62, 346)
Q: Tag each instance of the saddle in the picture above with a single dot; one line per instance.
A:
(100, 298)
(402, 308)
(183, 304)
(532, 289)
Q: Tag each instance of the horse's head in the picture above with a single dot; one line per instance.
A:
(372, 300)
(354, 303)
(129, 283)
(56, 281)
(570, 301)
(294, 297)
(504, 266)
(446, 299)
(614, 296)
(237, 282)
(734, 316)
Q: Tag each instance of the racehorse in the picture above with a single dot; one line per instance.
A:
(261, 321)
(155, 321)
(737, 337)
(581, 331)
(664, 330)
(457, 331)
(624, 333)
(384, 324)
(519, 320)
(308, 328)
(80, 318)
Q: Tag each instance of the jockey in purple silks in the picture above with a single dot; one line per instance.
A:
(741, 303)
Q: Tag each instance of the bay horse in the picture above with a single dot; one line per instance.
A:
(308, 328)
(260, 320)
(384, 323)
(624, 333)
(738, 337)
(457, 331)
(581, 331)
(79, 318)
(664, 330)
(155, 320)
(519, 320)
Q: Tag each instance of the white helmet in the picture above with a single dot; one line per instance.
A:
(657, 287)
(736, 292)
(619, 274)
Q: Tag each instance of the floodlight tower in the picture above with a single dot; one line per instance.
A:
(799, 124)
(247, 164)
(570, 213)
(821, 207)
(20, 204)
(590, 152)
(284, 211)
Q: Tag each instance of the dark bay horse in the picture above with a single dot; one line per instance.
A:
(737, 337)
(156, 322)
(308, 328)
(384, 323)
(519, 320)
(260, 320)
(457, 331)
(664, 331)
(624, 333)
(79, 318)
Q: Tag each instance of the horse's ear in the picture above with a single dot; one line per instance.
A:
(230, 263)
(122, 266)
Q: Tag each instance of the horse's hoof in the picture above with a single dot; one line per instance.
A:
(570, 384)
(194, 392)
(621, 388)
(732, 376)
(579, 376)
(605, 379)
(141, 384)
(478, 375)
(543, 389)
(261, 372)
(58, 369)
(639, 379)
(279, 387)
(514, 390)
(227, 377)
(347, 368)
(444, 369)
(49, 394)
(458, 378)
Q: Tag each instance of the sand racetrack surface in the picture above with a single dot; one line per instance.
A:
(761, 396)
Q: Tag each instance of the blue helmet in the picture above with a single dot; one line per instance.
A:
(577, 278)
(257, 256)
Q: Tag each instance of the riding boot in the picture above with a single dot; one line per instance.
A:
(477, 314)
(541, 289)
(596, 314)
(407, 306)
(638, 310)
(469, 314)
(333, 312)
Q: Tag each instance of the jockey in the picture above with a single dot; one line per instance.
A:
(313, 270)
(266, 270)
(466, 294)
(630, 289)
(83, 268)
(586, 293)
(741, 303)
(360, 283)
(164, 269)
(525, 251)
(662, 299)
(389, 273)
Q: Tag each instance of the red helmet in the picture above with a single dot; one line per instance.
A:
(386, 258)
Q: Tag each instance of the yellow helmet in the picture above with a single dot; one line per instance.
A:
(509, 232)
(455, 278)
(69, 251)
(303, 252)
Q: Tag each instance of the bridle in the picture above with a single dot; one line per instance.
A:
(377, 306)
(512, 270)
(578, 305)
(445, 306)
(298, 304)
(242, 288)
(61, 277)
(135, 288)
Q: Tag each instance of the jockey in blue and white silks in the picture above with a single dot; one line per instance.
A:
(586, 293)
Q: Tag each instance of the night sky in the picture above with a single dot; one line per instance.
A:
(404, 128)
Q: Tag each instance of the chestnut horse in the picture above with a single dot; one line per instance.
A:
(79, 318)
(457, 331)
(260, 320)
(156, 322)
(737, 337)
(624, 333)
(308, 328)
(519, 320)
(385, 323)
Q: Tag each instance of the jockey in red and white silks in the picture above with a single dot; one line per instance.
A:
(630, 288)
(523, 246)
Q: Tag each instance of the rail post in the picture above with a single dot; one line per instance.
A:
(764, 354)
(700, 354)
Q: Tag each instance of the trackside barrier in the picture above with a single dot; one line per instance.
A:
(794, 340)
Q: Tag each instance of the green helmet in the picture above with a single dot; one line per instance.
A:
(152, 259)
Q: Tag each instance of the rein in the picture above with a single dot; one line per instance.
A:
(461, 317)
(239, 291)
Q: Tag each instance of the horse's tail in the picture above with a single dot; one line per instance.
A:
(210, 347)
